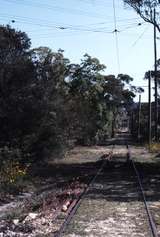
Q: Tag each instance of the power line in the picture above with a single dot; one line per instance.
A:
(116, 36)
(98, 23)
(115, 21)
(96, 3)
(64, 10)
(61, 26)
(133, 26)
(141, 35)
(57, 8)
(68, 29)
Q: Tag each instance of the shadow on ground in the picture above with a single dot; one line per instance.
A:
(117, 181)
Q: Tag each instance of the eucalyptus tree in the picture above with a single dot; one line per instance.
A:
(145, 9)
(16, 78)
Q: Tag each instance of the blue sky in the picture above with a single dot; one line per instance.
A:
(86, 26)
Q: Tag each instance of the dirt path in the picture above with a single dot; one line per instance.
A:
(113, 206)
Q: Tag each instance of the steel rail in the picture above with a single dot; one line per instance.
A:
(150, 218)
(80, 198)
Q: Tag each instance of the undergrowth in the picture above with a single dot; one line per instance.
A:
(12, 175)
(155, 147)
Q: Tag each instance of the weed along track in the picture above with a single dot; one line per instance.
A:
(113, 203)
(75, 203)
(96, 191)
(149, 215)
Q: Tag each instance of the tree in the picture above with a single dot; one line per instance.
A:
(32, 95)
(51, 71)
(86, 96)
(16, 78)
(119, 94)
(45, 101)
(145, 9)
(97, 99)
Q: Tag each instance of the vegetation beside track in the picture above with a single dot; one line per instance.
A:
(46, 191)
(48, 104)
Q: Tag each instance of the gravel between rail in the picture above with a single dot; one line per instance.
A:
(113, 206)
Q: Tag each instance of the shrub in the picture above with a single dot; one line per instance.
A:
(155, 147)
(12, 171)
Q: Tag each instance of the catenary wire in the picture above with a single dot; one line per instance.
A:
(57, 8)
(116, 36)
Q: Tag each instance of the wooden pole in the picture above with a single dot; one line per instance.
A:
(139, 117)
(149, 112)
(155, 79)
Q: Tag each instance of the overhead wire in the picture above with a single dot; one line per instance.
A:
(56, 26)
(63, 9)
(132, 26)
(127, 21)
(135, 43)
(61, 26)
(140, 37)
(57, 8)
(95, 3)
(70, 28)
(116, 36)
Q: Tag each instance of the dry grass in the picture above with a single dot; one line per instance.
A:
(155, 147)
(82, 154)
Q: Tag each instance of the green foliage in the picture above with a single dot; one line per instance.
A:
(32, 91)
(96, 99)
(45, 101)
(12, 172)
(86, 93)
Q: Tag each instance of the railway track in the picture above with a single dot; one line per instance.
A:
(150, 218)
(110, 160)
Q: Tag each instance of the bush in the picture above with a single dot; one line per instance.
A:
(12, 171)
(155, 147)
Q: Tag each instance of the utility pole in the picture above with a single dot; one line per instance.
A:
(139, 117)
(131, 123)
(155, 79)
(149, 111)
